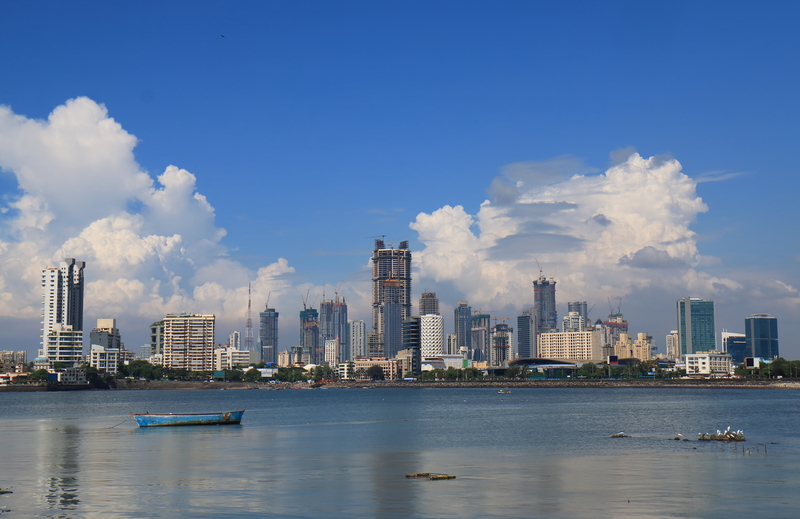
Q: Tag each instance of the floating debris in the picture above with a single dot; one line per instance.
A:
(5, 491)
(620, 435)
(431, 475)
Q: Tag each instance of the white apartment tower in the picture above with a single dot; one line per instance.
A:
(431, 335)
(62, 304)
(189, 342)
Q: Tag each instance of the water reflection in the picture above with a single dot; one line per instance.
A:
(59, 453)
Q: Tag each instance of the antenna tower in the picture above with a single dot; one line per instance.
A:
(248, 333)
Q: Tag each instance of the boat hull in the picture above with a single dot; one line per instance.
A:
(164, 420)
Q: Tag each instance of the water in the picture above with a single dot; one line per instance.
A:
(311, 453)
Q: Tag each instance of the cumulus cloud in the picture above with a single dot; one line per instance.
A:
(77, 182)
(608, 234)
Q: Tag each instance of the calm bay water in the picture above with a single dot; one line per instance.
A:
(307, 453)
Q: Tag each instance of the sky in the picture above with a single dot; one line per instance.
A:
(638, 153)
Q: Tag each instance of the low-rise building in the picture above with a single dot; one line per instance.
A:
(103, 358)
(357, 369)
(708, 364)
(230, 358)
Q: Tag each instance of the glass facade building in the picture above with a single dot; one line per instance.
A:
(696, 325)
(761, 332)
(268, 335)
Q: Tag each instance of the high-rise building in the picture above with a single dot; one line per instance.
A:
(502, 338)
(357, 338)
(574, 322)
(189, 341)
(463, 325)
(64, 345)
(451, 344)
(62, 299)
(615, 326)
(735, 345)
(428, 304)
(545, 313)
(641, 348)
(391, 294)
(333, 325)
(312, 349)
(432, 335)
(332, 354)
(268, 334)
(235, 340)
(157, 338)
(106, 334)
(580, 307)
(526, 335)
(696, 325)
(673, 346)
(761, 332)
(412, 344)
(481, 337)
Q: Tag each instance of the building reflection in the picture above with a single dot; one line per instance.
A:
(58, 466)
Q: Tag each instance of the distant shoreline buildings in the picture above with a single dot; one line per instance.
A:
(328, 336)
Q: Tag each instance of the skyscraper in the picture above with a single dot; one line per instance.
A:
(463, 325)
(545, 313)
(333, 325)
(428, 304)
(581, 308)
(502, 350)
(311, 347)
(357, 338)
(481, 337)
(62, 301)
(189, 341)
(391, 295)
(526, 335)
(696, 325)
(761, 332)
(268, 334)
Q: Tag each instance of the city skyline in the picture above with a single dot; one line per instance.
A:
(631, 160)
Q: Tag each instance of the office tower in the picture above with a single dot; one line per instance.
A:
(574, 322)
(268, 334)
(189, 341)
(106, 334)
(696, 325)
(735, 345)
(312, 349)
(391, 283)
(580, 307)
(761, 332)
(357, 338)
(235, 340)
(428, 304)
(526, 335)
(544, 305)
(463, 325)
(62, 301)
(157, 338)
(432, 335)
(333, 325)
(673, 346)
(481, 338)
(502, 349)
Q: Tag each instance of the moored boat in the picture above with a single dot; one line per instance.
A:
(158, 420)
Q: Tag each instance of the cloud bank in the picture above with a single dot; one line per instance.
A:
(151, 245)
(601, 235)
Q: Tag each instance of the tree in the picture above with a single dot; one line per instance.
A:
(234, 375)
(375, 372)
(252, 375)
(589, 370)
(39, 374)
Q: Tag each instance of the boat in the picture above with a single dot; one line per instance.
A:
(160, 420)
(504, 391)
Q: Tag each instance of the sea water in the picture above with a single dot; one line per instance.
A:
(346, 452)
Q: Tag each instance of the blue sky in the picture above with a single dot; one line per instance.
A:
(312, 126)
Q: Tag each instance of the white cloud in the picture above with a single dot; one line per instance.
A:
(607, 235)
(77, 176)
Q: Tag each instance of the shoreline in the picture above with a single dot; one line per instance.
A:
(144, 385)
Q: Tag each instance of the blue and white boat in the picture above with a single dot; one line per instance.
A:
(160, 420)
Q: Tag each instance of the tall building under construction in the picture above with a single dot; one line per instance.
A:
(545, 314)
(391, 297)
